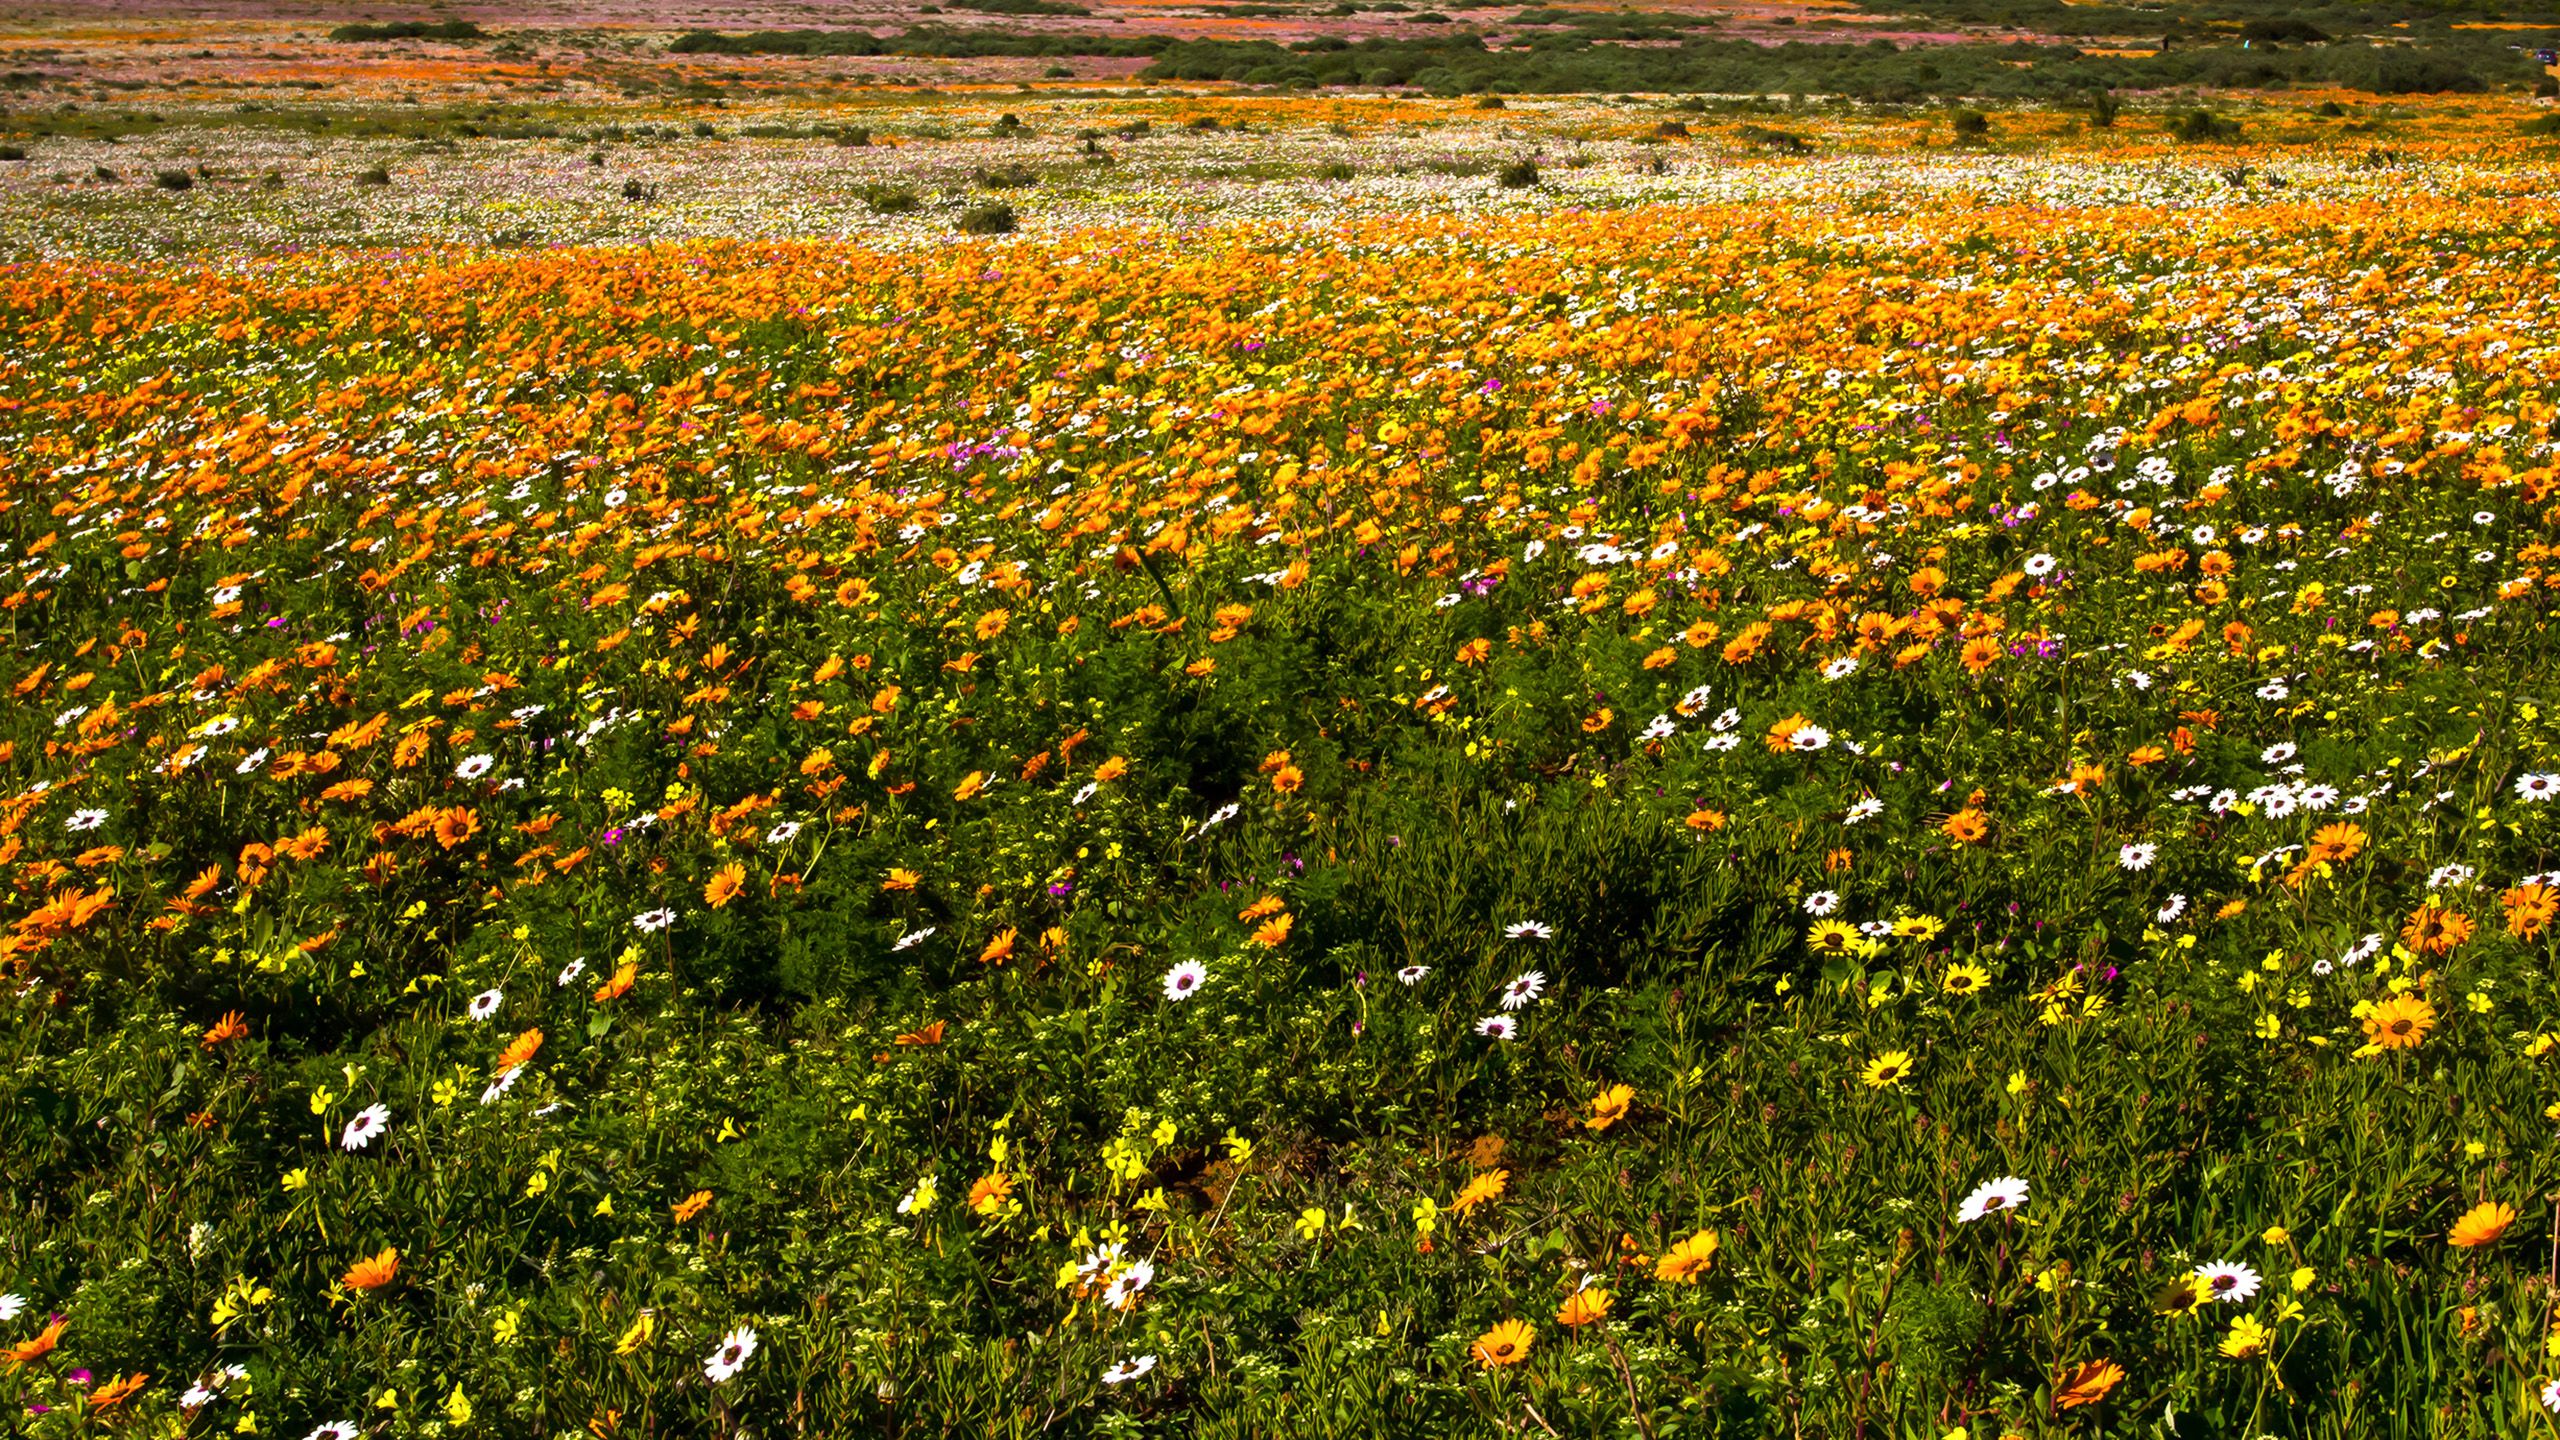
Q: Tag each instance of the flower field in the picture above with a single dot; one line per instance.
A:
(1898, 791)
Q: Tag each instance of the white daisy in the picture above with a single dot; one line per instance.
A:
(1184, 979)
(1992, 1196)
(2445, 877)
(335, 1430)
(1808, 738)
(2175, 907)
(1100, 1261)
(650, 920)
(2228, 1280)
(1412, 974)
(86, 820)
(11, 1307)
(1529, 930)
(369, 1122)
(1841, 669)
(732, 1355)
(570, 972)
(2039, 566)
(486, 1003)
(2278, 753)
(2551, 1395)
(2537, 788)
(475, 767)
(2137, 857)
(1125, 1287)
(783, 834)
(1524, 989)
(1866, 809)
(914, 938)
(1822, 902)
(1499, 1027)
(1128, 1370)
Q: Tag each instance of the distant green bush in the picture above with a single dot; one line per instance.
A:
(934, 41)
(2201, 127)
(409, 30)
(1461, 62)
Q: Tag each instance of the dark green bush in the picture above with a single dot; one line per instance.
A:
(1018, 7)
(2283, 29)
(2202, 127)
(409, 30)
(1005, 177)
(991, 219)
